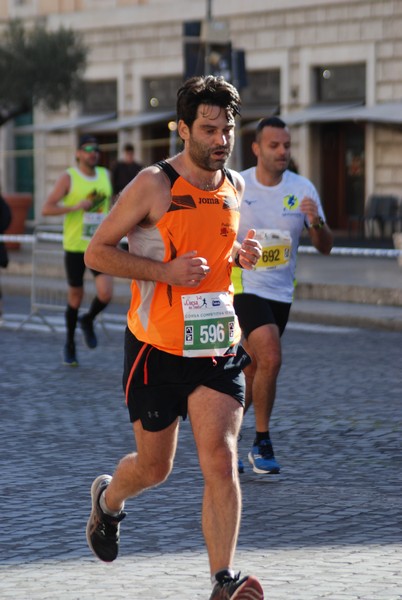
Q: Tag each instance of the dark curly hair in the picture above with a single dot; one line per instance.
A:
(207, 89)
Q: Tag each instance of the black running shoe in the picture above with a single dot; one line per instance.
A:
(87, 326)
(69, 355)
(103, 530)
(248, 588)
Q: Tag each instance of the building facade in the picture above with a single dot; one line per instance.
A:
(330, 68)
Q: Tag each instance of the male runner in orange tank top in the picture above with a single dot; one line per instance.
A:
(181, 219)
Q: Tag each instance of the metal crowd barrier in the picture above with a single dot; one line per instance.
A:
(370, 252)
(48, 294)
(47, 265)
(48, 282)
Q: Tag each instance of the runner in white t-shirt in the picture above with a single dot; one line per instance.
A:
(278, 204)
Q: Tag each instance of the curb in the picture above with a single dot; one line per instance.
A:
(347, 314)
(349, 293)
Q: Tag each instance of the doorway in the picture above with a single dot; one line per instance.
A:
(343, 166)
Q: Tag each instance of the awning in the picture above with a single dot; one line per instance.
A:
(311, 114)
(65, 125)
(138, 120)
(321, 114)
(389, 112)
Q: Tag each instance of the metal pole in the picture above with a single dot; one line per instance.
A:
(238, 149)
(207, 44)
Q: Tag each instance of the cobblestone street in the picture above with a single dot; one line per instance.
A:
(329, 528)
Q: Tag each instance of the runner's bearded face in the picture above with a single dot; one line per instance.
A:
(211, 138)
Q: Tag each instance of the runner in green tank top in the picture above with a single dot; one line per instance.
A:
(82, 195)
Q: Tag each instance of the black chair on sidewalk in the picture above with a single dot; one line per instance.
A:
(399, 218)
(381, 211)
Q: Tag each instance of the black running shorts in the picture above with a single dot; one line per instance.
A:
(254, 311)
(157, 384)
(75, 268)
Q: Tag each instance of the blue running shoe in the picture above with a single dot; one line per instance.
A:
(262, 458)
(240, 465)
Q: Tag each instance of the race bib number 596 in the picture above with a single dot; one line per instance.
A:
(209, 324)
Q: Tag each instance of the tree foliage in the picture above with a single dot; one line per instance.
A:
(39, 67)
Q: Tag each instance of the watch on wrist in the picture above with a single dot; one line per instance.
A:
(319, 225)
(237, 261)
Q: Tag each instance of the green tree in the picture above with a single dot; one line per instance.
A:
(39, 67)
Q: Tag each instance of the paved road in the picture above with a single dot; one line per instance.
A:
(329, 529)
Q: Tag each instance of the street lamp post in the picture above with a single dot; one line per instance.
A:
(209, 10)
(207, 64)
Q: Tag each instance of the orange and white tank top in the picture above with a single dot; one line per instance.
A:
(192, 322)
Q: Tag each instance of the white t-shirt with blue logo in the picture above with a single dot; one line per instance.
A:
(274, 211)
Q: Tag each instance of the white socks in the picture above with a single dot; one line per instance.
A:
(219, 574)
(105, 509)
